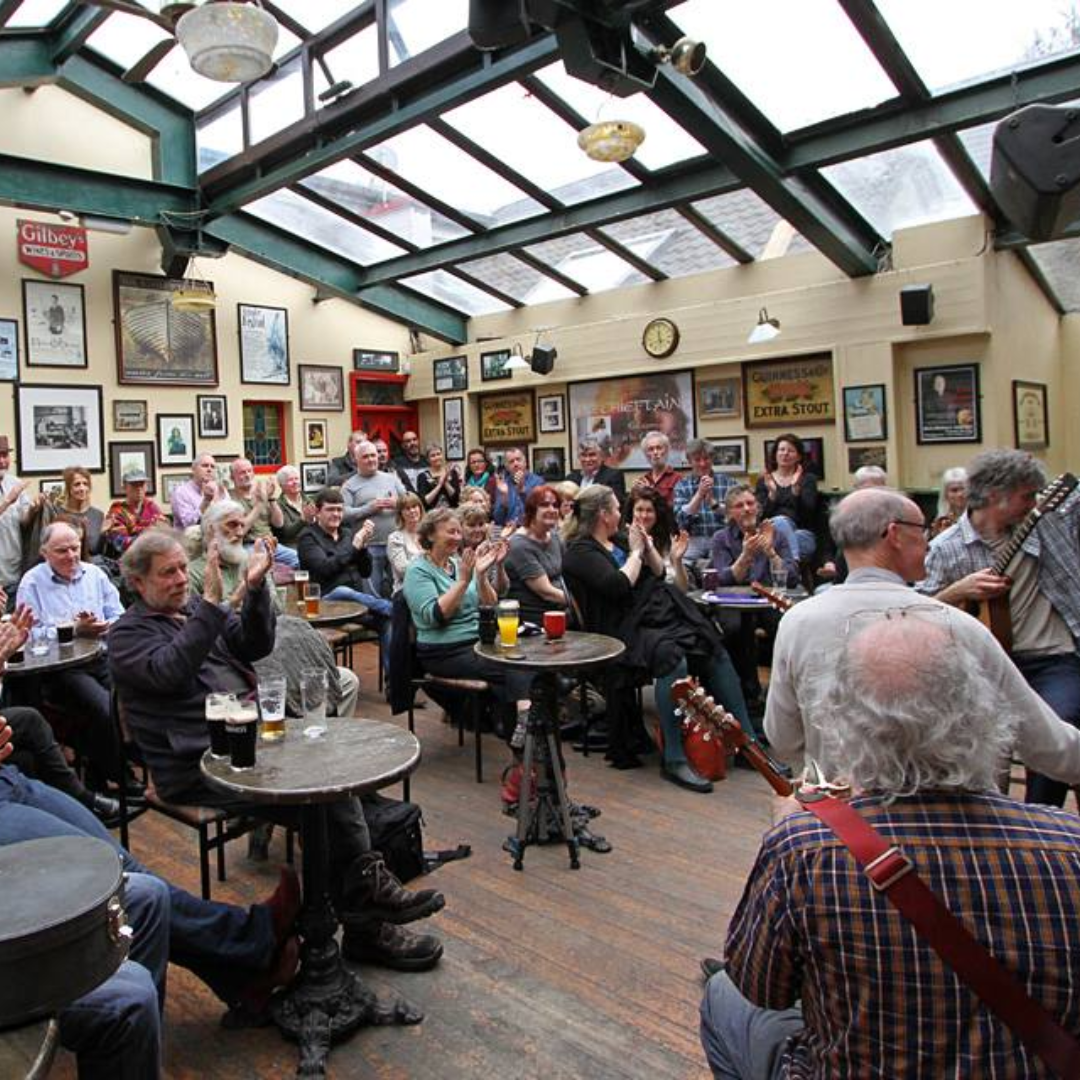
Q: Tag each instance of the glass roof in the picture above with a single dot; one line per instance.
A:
(416, 25)
(448, 289)
(675, 245)
(1059, 260)
(586, 261)
(32, 13)
(515, 278)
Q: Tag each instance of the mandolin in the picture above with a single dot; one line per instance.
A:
(777, 600)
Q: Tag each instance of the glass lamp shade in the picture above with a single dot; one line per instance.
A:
(766, 329)
(611, 140)
(228, 42)
(194, 296)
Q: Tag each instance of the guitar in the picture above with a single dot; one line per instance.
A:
(994, 613)
(777, 600)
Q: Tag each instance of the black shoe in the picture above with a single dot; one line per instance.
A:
(106, 810)
(622, 762)
(710, 966)
(378, 897)
(391, 947)
(685, 777)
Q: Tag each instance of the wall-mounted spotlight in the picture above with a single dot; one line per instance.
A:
(766, 329)
(517, 361)
(686, 56)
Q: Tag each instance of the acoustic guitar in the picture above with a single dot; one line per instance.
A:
(777, 600)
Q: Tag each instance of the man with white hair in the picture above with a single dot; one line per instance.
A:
(592, 469)
(262, 514)
(371, 495)
(661, 476)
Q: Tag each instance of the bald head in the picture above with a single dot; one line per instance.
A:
(880, 527)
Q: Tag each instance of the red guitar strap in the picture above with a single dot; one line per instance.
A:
(890, 872)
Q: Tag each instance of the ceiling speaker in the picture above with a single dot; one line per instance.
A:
(917, 305)
(543, 359)
(497, 24)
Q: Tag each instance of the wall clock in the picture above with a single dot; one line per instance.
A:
(661, 338)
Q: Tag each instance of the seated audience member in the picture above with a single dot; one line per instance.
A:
(194, 496)
(512, 486)
(476, 527)
(534, 562)
(440, 483)
(567, 491)
(649, 510)
(699, 500)
(788, 494)
(475, 496)
(479, 473)
(130, 516)
(835, 567)
(623, 594)
(296, 509)
(166, 653)
(593, 470)
(661, 476)
(403, 544)
(222, 526)
(823, 975)
(952, 499)
(371, 495)
(73, 503)
(262, 512)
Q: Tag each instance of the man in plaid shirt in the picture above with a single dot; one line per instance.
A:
(699, 501)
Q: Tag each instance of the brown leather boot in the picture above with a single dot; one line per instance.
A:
(392, 947)
(376, 896)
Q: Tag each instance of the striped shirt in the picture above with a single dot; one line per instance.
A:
(877, 1001)
(709, 517)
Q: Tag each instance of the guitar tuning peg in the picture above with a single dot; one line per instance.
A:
(680, 713)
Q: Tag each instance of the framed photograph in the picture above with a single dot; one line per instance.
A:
(620, 411)
(375, 360)
(1031, 417)
(552, 413)
(124, 456)
(156, 344)
(508, 419)
(549, 462)
(55, 319)
(314, 475)
(790, 392)
(9, 350)
(58, 426)
(731, 454)
(453, 428)
(176, 438)
(865, 417)
(129, 416)
(169, 483)
(264, 344)
(815, 454)
(223, 470)
(858, 456)
(493, 366)
(451, 374)
(315, 437)
(322, 386)
(947, 404)
(53, 488)
(213, 411)
(720, 399)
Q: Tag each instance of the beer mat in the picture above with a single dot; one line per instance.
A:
(739, 598)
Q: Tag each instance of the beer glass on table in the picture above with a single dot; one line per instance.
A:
(272, 707)
(509, 613)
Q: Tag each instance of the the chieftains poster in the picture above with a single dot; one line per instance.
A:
(783, 393)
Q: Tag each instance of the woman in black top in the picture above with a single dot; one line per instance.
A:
(788, 494)
(439, 484)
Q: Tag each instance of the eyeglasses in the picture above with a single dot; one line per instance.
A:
(924, 527)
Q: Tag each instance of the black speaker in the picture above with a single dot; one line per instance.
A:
(543, 359)
(498, 24)
(917, 305)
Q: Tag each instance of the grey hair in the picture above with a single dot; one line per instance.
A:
(433, 446)
(50, 531)
(870, 476)
(284, 472)
(956, 475)
(425, 532)
(652, 436)
(735, 491)
(589, 442)
(859, 521)
(136, 561)
(588, 506)
(1001, 471)
(214, 514)
(699, 446)
(890, 733)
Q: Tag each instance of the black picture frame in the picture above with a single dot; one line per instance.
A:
(866, 416)
(451, 374)
(9, 350)
(130, 415)
(731, 454)
(948, 404)
(376, 360)
(549, 462)
(1031, 415)
(322, 387)
(120, 455)
(314, 475)
(213, 413)
(263, 333)
(58, 425)
(54, 341)
(493, 365)
(175, 439)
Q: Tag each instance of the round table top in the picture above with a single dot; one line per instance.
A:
(573, 650)
(335, 612)
(27, 1052)
(355, 756)
(741, 597)
(81, 651)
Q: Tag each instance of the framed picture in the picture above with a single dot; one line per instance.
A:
(264, 344)
(453, 427)
(124, 456)
(493, 366)
(815, 455)
(1031, 417)
(720, 399)
(508, 419)
(55, 319)
(549, 462)
(176, 438)
(858, 456)
(451, 374)
(552, 412)
(314, 475)
(375, 360)
(496, 457)
(129, 416)
(619, 412)
(58, 426)
(315, 437)
(223, 470)
(156, 344)
(169, 483)
(213, 411)
(322, 386)
(865, 417)
(784, 393)
(53, 488)
(947, 404)
(9, 350)
(731, 455)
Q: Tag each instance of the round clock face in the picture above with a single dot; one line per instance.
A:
(661, 337)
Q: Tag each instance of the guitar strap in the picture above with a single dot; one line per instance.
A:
(892, 873)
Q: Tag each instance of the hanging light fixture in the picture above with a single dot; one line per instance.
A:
(194, 295)
(766, 329)
(227, 41)
(517, 361)
(611, 140)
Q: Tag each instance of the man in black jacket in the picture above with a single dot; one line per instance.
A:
(341, 468)
(594, 471)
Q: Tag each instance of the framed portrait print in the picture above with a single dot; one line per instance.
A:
(264, 344)
(322, 386)
(549, 462)
(552, 413)
(865, 418)
(176, 438)
(315, 437)
(9, 350)
(124, 456)
(314, 475)
(451, 374)
(54, 316)
(1031, 417)
(731, 455)
(947, 404)
(493, 366)
(58, 426)
(213, 411)
(129, 416)
(508, 419)
(453, 426)
(719, 399)
(375, 360)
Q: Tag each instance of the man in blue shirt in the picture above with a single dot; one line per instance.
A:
(699, 501)
(512, 487)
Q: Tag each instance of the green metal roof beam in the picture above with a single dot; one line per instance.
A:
(74, 32)
(26, 61)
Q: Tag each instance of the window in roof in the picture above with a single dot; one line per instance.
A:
(448, 289)
(588, 263)
(763, 48)
(515, 278)
(896, 189)
(276, 101)
(126, 38)
(431, 162)
(665, 141)
(682, 249)
(219, 137)
(752, 224)
(1059, 261)
(416, 25)
(35, 13)
(979, 143)
(356, 59)
(315, 16)
(965, 39)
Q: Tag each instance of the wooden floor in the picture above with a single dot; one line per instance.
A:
(547, 973)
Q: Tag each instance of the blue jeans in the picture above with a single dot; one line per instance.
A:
(802, 541)
(743, 1041)
(382, 580)
(287, 556)
(1056, 679)
(380, 614)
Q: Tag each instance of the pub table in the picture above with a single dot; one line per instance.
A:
(27, 1051)
(335, 612)
(22, 681)
(326, 1001)
(574, 651)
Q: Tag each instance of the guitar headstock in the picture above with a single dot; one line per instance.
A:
(777, 600)
(1055, 493)
(698, 707)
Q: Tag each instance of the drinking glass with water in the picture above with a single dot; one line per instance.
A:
(313, 695)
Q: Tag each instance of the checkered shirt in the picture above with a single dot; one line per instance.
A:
(707, 520)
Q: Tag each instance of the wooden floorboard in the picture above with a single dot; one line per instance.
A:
(547, 973)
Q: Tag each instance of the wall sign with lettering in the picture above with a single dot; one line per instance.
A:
(790, 392)
(53, 250)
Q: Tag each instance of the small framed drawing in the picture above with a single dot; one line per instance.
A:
(730, 454)
(125, 457)
(55, 319)
(451, 374)
(1031, 417)
(720, 399)
(129, 416)
(223, 470)
(213, 416)
(176, 438)
(264, 344)
(314, 475)
(860, 456)
(865, 419)
(53, 488)
(552, 412)
(9, 350)
(453, 427)
(375, 360)
(322, 386)
(315, 437)
(947, 404)
(169, 483)
(58, 426)
(549, 462)
(493, 366)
